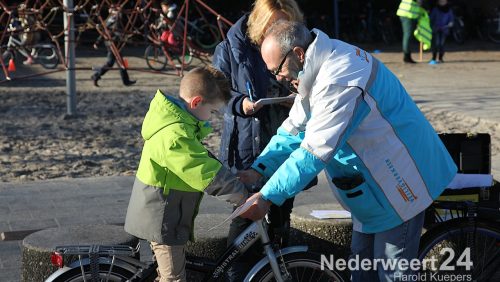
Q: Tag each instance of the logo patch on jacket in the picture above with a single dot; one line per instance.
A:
(403, 188)
(362, 54)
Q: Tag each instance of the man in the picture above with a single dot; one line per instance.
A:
(355, 120)
(408, 12)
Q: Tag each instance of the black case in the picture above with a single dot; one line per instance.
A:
(471, 152)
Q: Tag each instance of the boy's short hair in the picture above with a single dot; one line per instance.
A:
(207, 82)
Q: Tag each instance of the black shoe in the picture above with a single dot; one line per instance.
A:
(130, 82)
(95, 79)
(407, 59)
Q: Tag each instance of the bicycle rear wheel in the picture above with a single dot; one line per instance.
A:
(155, 58)
(477, 243)
(299, 267)
(117, 274)
(48, 58)
(493, 31)
(207, 36)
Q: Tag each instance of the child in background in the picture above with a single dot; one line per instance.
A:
(175, 169)
(441, 22)
(24, 22)
(166, 20)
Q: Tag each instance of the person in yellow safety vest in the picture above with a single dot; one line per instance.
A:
(423, 33)
(408, 12)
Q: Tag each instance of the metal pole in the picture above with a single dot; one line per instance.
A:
(336, 18)
(69, 46)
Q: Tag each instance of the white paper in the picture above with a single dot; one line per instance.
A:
(239, 210)
(327, 214)
(267, 101)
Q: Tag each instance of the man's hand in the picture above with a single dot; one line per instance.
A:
(248, 176)
(95, 46)
(249, 107)
(288, 103)
(258, 209)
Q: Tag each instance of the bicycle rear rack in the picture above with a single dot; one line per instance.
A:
(100, 250)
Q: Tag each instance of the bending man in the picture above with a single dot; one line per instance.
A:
(353, 119)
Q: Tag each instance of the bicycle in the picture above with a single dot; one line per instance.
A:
(164, 49)
(45, 54)
(464, 238)
(117, 263)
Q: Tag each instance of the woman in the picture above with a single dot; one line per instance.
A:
(248, 128)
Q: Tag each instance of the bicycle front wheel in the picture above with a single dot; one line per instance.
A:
(188, 57)
(115, 274)
(155, 58)
(463, 249)
(48, 58)
(300, 267)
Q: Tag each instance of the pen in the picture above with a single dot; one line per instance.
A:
(249, 90)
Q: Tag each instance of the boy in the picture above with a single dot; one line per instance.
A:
(175, 169)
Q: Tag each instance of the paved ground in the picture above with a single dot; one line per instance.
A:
(465, 88)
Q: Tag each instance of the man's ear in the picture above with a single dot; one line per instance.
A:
(301, 54)
(195, 102)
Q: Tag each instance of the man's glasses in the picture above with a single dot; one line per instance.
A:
(278, 70)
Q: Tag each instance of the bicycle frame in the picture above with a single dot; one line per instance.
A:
(16, 45)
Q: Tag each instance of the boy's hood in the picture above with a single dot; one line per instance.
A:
(164, 111)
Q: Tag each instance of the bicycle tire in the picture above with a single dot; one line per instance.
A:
(188, 57)
(48, 57)
(458, 31)
(481, 236)
(207, 36)
(493, 31)
(301, 267)
(155, 57)
(117, 274)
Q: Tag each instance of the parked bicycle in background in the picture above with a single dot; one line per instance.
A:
(489, 27)
(463, 236)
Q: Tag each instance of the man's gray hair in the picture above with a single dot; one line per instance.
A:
(289, 34)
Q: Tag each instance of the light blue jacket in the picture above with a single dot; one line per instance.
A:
(354, 119)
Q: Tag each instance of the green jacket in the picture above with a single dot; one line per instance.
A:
(423, 32)
(408, 9)
(174, 170)
(173, 156)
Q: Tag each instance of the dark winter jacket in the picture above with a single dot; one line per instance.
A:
(243, 136)
(441, 18)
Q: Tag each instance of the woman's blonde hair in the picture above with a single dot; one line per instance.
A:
(263, 10)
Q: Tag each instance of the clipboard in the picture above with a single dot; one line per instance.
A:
(269, 101)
